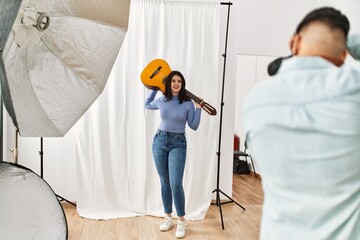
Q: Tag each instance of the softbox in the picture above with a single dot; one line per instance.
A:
(57, 59)
(29, 209)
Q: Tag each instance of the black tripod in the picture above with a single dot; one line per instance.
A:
(218, 203)
(41, 153)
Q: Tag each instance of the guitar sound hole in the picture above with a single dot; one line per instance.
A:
(164, 79)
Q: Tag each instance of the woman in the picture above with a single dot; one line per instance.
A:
(169, 145)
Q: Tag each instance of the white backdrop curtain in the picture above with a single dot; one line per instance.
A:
(116, 176)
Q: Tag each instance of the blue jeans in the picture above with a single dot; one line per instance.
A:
(169, 151)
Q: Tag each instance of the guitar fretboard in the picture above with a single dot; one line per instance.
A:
(193, 97)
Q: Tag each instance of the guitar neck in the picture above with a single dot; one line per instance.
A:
(193, 97)
(207, 107)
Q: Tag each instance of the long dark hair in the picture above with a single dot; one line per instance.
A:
(182, 93)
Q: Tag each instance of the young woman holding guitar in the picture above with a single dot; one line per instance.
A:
(169, 144)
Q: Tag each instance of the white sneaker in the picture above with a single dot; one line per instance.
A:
(180, 231)
(166, 224)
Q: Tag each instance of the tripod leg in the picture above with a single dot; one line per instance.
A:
(41, 153)
(232, 200)
(218, 204)
(63, 199)
(220, 210)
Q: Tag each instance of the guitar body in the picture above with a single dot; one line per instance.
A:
(154, 74)
(153, 77)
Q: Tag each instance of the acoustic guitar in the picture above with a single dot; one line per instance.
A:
(153, 77)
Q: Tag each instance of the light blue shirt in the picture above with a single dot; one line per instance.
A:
(303, 130)
(174, 115)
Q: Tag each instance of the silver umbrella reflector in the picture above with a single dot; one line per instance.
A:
(29, 208)
(57, 60)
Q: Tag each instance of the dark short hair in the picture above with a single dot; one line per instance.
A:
(327, 15)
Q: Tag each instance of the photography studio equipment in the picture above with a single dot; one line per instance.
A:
(8, 12)
(56, 56)
(29, 208)
(57, 59)
(217, 190)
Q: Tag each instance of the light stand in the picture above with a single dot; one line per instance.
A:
(1, 128)
(218, 203)
(41, 153)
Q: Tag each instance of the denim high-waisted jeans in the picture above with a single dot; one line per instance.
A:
(169, 151)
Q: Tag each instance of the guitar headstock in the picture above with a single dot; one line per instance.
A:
(208, 108)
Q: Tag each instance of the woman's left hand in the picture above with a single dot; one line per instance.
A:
(198, 105)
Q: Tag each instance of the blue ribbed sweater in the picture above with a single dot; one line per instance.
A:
(173, 114)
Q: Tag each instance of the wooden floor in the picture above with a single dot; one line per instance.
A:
(239, 224)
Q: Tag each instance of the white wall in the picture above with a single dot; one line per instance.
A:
(264, 27)
(251, 69)
(259, 31)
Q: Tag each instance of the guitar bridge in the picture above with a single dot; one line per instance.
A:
(155, 72)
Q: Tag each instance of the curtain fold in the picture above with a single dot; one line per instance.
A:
(116, 175)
